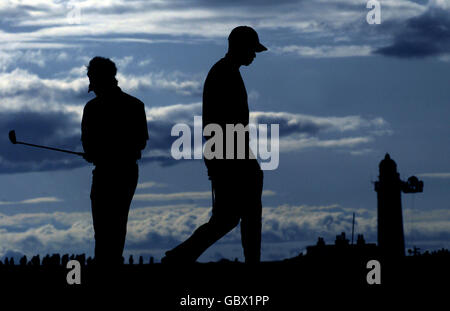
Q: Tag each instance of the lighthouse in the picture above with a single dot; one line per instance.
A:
(389, 187)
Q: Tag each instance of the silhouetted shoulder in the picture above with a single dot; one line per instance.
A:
(91, 103)
(131, 99)
(216, 83)
(117, 99)
(219, 68)
(224, 95)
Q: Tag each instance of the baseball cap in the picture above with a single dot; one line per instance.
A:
(246, 36)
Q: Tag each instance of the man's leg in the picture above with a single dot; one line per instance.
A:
(111, 195)
(251, 218)
(126, 178)
(99, 216)
(224, 218)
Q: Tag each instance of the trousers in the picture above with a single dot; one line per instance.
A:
(112, 191)
(237, 199)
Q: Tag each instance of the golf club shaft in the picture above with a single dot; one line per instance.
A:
(51, 148)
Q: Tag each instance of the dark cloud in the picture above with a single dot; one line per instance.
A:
(19, 11)
(50, 129)
(421, 36)
(58, 129)
(62, 130)
(162, 160)
(159, 135)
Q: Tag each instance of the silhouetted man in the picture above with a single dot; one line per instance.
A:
(113, 133)
(237, 183)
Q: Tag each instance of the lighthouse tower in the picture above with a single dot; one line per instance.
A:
(389, 187)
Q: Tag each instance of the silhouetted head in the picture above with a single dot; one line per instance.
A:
(102, 75)
(243, 44)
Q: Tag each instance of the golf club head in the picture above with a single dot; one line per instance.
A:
(12, 137)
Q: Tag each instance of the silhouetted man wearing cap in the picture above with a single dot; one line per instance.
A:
(237, 183)
(113, 133)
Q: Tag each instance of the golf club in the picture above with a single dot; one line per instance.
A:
(13, 139)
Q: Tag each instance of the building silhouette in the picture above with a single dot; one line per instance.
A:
(343, 248)
(389, 187)
(391, 240)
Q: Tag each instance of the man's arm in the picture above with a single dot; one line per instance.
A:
(85, 139)
(143, 128)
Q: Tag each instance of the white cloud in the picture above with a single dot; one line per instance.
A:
(162, 227)
(361, 151)
(150, 184)
(422, 226)
(290, 144)
(24, 90)
(300, 131)
(10, 58)
(434, 175)
(42, 233)
(32, 201)
(145, 62)
(192, 19)
(177, 82)
(122, 62)
(173, 196)
(443, 4)
(310, 123)
(326, 51)
(193, 195)
(177, 113)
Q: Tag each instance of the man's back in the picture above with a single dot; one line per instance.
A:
(224, 95)
(225, 102)
(114, 128)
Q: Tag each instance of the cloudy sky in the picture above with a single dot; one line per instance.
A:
(343, 92)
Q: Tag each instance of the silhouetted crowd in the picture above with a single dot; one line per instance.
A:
(441, 252)
(56, 260)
